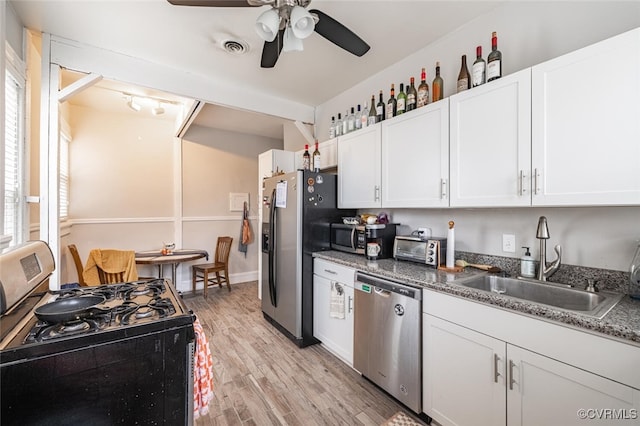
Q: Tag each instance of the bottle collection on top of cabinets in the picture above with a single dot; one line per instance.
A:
(404, 101)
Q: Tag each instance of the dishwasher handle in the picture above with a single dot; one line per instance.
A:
(388, 285)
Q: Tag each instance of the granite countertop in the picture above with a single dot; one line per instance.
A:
(622, 322)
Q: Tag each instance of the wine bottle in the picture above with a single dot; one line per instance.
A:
(494, 60)
(339, 125)
(437, 85)
(364, 117)
(306, 158)
(392, 103)
(345, 123)
(372, 111)
(464, 82)
(423, 90)
(358, 118)
(332, 128)
(351, 121)
(316, 159)
(380, 109)
(401, 102)
(479, 69)
(412, 95)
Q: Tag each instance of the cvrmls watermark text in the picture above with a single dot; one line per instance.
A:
(607, 413)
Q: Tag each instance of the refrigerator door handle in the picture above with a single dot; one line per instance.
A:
(272, 250)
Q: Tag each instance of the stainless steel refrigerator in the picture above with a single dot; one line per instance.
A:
(298, 208)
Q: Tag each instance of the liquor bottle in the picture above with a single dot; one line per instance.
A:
(345, 123)
(412, 95)
(306, 158)
(316, 159)
(479, 69)
(464, 82)
(364, 117)
(351, 121)
(332, 128)
(380, 110)
(358, 118)
(392, 103)
(423, 90)
(401, 103)
(437, 85)
(372, 112)
(494, 60)
(339, 125)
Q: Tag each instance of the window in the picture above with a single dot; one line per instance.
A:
(64, 176)
(14, 224)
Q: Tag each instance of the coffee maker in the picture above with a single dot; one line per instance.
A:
(380, 238)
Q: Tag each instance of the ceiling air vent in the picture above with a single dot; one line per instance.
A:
(235, 47)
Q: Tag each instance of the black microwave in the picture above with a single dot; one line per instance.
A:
(348, 238)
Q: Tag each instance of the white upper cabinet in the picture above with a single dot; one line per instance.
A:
(359, 168)
(415, 158)
(586, 125)
(490, 143)
(328, 154)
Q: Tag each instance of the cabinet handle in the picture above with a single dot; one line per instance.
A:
(535, 182)
(523, 188)
(443, 186)
(496, 373)
(376, 193)
(329, 271)
(349, 304)
(511, 380)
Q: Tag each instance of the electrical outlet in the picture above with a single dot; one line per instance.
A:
(509, 243)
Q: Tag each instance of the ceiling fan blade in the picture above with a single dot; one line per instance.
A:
(271, 51)
(339, 35)
(211, 3)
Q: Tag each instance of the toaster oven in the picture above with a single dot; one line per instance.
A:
(429, 251)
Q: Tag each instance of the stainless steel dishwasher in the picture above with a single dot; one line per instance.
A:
(387, 337)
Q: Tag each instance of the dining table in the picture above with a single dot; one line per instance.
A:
(173, 258)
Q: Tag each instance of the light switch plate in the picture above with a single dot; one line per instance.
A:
(509, 243)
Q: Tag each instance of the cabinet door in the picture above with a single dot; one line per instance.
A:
(463, 375)
(490, 153)
(359, 168)
(547, 392)
(336, 334)
(415, 158)
(586, 127)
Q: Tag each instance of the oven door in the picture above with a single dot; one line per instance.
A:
(145, 378)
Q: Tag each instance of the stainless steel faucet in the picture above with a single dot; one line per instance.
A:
(542, 234)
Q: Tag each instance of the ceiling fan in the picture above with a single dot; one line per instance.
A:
(287, 23)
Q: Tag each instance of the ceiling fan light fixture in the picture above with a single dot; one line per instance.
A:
(267, 25)
(291, 42)
(302, 23)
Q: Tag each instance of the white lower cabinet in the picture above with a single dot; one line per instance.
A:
(459, 384)
(335, 333)
(543, 391)
(472, 378)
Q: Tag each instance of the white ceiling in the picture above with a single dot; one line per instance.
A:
(190, 38)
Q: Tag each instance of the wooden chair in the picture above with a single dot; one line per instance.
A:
(78, 262)
(111, 277)
(219, 268)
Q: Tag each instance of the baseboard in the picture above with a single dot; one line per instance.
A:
(240, 277)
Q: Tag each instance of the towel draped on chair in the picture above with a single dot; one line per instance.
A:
(110, 261)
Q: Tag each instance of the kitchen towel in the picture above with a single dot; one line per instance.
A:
(336, 307)
(245, 231)
(202, 373)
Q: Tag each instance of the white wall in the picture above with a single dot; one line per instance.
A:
(528, 33)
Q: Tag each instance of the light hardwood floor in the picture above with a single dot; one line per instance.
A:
(262, 378)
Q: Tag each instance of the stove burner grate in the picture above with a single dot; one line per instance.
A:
(44, 331)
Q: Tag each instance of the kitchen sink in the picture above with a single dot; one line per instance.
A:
(593, 304)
